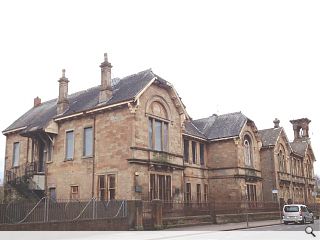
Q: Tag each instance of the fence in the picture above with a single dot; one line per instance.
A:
(48, 210)
(180, 209)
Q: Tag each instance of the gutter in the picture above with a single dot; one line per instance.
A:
(93, 110)
(13, 130)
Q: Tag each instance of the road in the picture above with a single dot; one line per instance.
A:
(289, 227)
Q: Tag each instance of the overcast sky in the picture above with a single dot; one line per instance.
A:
(258, 57)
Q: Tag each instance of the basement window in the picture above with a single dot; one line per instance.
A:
(112, 186)
(188, 193)
(74, 192)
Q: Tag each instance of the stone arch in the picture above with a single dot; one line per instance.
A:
(157, 106)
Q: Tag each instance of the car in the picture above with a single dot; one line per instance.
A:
(297, 213)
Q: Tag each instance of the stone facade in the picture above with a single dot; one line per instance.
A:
(287, 169)
(142, 148)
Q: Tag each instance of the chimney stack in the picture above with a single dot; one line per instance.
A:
(63, 102)
(105, 88)
(276, 122)
(36, 102)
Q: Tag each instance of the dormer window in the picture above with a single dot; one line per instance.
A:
(247, 144)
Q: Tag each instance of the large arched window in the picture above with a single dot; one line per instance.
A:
(247, 144)
(158, 126)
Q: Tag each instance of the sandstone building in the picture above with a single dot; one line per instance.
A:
(132, 138)
(288, 166)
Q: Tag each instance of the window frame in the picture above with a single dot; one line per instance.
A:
(74, 195)
(164, 143)
(186, 149)
(15, 156)
(198, 193)
(67, 144)
(109, 175)
(163, 181)
(102, 190)
(248, 150)
(188, 195)
(84, 154)
(194, 146)
(202, 154)
(206, 190)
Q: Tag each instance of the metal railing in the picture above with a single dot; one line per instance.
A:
(50, 210)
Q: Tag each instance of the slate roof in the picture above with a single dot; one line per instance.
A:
(218, 126)
(299, 147)
(123, 90)
(269, 136)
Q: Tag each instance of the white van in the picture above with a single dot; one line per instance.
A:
(297, 213)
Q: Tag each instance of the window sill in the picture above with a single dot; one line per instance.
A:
(49, 162)
(87, 157)
(68, 159)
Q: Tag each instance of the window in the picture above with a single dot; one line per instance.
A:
(186, 150)
(16, 154)
(281, 161)
(247, 151)
(251, 192)
(188, 193)
(202, 154)
(49, 146)
(74, 192)
(112, 186)
(153, 192)
(160, 187)
(69, 145)
(206, 193)
(158, 134)
(194, 152)
(101, 187)
(150, 129)
(87, 142)
(198, 193)
(52, 193)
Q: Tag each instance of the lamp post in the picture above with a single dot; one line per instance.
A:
(275, 191)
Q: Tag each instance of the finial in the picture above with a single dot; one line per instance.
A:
(63, 73)
(106, 57)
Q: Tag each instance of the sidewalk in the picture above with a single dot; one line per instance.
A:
(226, 226)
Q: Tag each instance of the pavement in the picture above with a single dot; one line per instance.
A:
(227, 226)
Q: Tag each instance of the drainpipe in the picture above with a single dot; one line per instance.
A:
(44, 165)
(94, 155)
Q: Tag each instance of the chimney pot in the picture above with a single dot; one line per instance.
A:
(276, 122)
(36, 102)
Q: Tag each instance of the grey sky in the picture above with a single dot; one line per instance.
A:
(258, 57)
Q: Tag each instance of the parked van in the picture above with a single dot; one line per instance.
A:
(297, 213)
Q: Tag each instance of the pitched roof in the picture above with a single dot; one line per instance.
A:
(219, 126)
(192, 130)
(123, 90)
(299, 147)
(269, 136)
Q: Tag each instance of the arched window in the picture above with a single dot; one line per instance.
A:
(247, 144)
(158, 126)
(282, 160)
